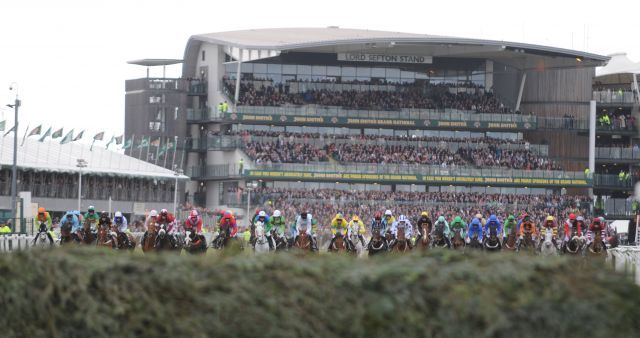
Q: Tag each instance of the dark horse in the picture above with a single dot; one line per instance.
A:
(511, 243)
(222, 240)
(165, 241)
(574, 245)
(66, 237)
(377, 243)
(457, 241)
(195, 243)
(597, 247)
(439, 241)
(526, 244)
(491, 242)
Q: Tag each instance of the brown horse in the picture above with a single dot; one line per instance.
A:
(401, 243)
(303, 242)
(122, 238)
(105, 239)
(65, 234)
(457, 241)
(597, 247)
(425, 241)
(149, 237)
(339, 244)
(86, 236)
(510, 243)
(526, 244)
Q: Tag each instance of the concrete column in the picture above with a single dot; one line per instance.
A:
(488, 75)
(213, 194)
(592, 140)
(524, 78)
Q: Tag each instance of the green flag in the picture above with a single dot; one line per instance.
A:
(67, 138)
(10, 130)
(144, 143)
(2, 124)
(163, 149)
(46, 133)
(57, 133)
(119, 139)
(99, 136)
(79, 136)
(35, 131)
(127, 144)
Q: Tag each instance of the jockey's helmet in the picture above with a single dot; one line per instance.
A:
(303, 215)
(153, 213)
(164, 212)
(402, 219)
(355, 218)
(41, 210)
(92, 209)
(276, 213)
(580, 219)
(262, 214)
(424, 214)
(388, 213)
(550, 218)
(572, 217)
(441, 219)
(511, 218)
(377, 216)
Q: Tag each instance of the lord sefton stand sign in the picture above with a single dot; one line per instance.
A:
(385, 58)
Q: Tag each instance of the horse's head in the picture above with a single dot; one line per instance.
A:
(259, 231)
(162, 231)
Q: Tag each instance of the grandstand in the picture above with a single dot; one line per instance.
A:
(326, 109)
(48, 177)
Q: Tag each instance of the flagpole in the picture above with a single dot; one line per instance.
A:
(148, 146)
(25, 134)
(133, 138)
(158, 150)
(141, 146)
(175, 146)
(166, 153)
(183, 151)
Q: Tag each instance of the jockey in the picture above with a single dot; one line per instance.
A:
(424, 219)
(230, 221)
(549, 225)
(71, 218)
(569, 225)
(121, 226)
(45, 224)
(508, 224)
(527, 226)
(611, 230)
(458, 223)
(388, 220)
(492, 222)
(475, 228)
(262, 217)
(377, 224)
(153, 215)
(355, 221)
(167, 219)
(483, 221)
(402, 222)
(92, 216)
(442, 223)
(277, 224)
(596, 226)
(105, 221)
(338, 224)
(306, 223)
(193, 223)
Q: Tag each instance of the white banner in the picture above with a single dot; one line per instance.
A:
(384, 58)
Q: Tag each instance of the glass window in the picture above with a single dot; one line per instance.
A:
(319, 70)
(349, 71)
(244, 68)
(259, 68)
(393, 73)
(289, 69)
(363, 71)
(333, 71)
(305, 70)
(407, 75)
(378, 72)
(274, 69)
(230, 67)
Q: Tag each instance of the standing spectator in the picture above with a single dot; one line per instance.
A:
(225, 107)
(240, 166)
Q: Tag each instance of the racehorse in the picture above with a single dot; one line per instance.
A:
(339, 244)
(85, 235)
(511, 243)
(261, 244)
(439, 240)
(492, 243)
(401, 243)
(194, 243)
(354, 240)
(596, 247)
(457, 241)
(574, 246)
(149, 238)
(105, 237)
(65, 234)
(280, 240)
(165, 241)
(125, 239)
(425, 240)
(526, 244)
(377, 243)
(303, 242)
(548, 245)
(475, 243)
(43, 240)
(223, 237)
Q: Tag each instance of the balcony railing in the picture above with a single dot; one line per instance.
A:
(615, 153)
(197, 87)
(612, 181)
(615, 97)
(236, 141)
(619, 207)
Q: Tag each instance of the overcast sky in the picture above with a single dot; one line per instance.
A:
(69, 56)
